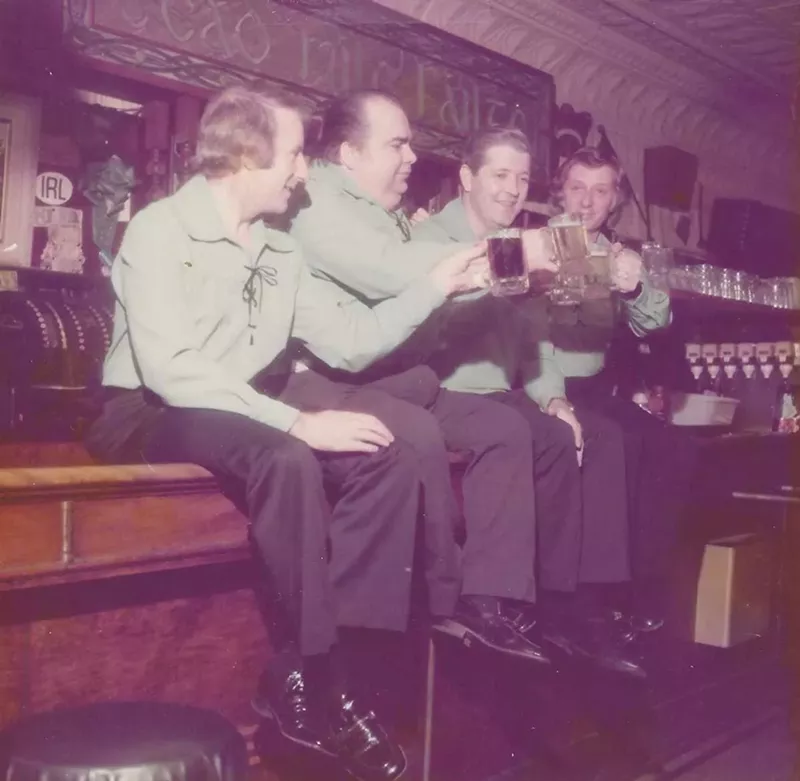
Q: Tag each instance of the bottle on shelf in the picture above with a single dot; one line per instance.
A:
(786, 418)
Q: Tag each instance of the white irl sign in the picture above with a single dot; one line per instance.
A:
(53, 189)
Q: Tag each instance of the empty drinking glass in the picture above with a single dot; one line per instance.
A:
(658, 262)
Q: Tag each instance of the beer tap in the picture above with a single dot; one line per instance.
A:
(727, 354)
(710, 354)
(784, 353)
(764, 352)
(746, 352)
(693, 357)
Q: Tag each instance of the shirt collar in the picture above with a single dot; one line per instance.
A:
(333, 177)
(602, 242)
(198, 213)
(453, 219)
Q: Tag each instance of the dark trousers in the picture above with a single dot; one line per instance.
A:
(581, 511)
(660, 460)
(498, 555)
(350, 566)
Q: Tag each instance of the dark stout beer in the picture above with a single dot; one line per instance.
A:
(509, 274)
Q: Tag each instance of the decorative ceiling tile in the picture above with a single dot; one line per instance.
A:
(682, 77)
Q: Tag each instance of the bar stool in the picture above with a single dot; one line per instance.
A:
(123, 741)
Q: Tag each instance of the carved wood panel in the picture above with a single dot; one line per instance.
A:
(449, 87)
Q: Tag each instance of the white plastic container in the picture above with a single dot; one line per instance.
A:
(697, 409)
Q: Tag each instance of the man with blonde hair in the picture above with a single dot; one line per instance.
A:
(208, 297)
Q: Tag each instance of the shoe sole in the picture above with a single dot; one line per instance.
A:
(649, 630)
(468, 637)
(581, 653)
(268, 713)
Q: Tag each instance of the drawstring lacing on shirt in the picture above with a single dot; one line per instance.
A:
(253, 291)
(404, 225)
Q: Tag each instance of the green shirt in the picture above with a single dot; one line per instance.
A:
(580, 335)
(486, 345)
(198, 316)
(356, 244)
(540, 345)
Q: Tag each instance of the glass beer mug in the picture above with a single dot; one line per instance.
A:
(508, 272)
(583, 272)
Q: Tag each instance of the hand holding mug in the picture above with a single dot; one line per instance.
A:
(539, 250)
(626, 269)
(463, 271)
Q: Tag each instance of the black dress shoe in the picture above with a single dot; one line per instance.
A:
(630, 626)
(282, 697)
(362, 745)
(645, 624)
(491, 629)
(594, 642)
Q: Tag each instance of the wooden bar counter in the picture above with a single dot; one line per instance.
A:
(122, 582)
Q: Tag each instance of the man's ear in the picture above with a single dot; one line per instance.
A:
(348, 154)
(465, 175)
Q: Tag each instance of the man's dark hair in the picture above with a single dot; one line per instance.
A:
(480, 142)
(342, 120)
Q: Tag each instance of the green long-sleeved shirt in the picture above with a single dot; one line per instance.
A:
(197, 316)
(353, 242)
(488, 345)
(542, 344)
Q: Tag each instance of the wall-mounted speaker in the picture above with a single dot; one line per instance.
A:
(670, 175)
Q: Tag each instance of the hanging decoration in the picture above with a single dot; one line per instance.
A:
(107, 186)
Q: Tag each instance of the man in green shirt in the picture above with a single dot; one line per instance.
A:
(493, 346)
(207, 299)
(660, 458)
(355, 238)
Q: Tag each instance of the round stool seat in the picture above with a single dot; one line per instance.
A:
(123, 741)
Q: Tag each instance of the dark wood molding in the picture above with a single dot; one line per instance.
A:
(317, 49)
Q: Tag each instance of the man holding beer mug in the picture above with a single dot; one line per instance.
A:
(488, 346)
(356, 240)
(659, 458)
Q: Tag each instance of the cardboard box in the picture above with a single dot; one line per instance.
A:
(734, 591)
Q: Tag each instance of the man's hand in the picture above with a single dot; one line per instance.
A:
(465, 270)
(420, 215)
(539, 251)
(626, 268)
(341, 432)
(562, 409)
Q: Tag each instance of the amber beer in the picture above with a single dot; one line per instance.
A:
(571, 250)
(508, 272)
(569, 238)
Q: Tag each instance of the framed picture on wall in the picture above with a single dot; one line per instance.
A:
(20, 117)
